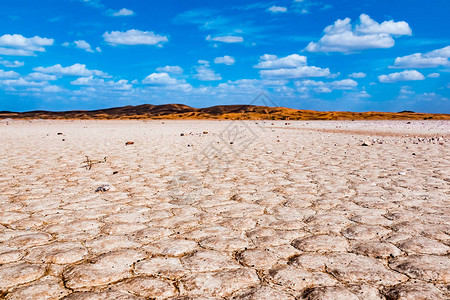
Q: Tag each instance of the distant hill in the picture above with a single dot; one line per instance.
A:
(223, 112)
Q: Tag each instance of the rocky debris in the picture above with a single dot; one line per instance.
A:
(366, 143)
(103, 188)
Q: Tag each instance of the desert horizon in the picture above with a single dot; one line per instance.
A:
(219, 112)
(238, 150)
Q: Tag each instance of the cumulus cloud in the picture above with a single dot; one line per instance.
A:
(134, 37)
(170, 69)
(74, 70)
(163, 81)
(8, 74)
(432, 59)
(325, 87)
(21, 82)
(434, 75)
(407, 75)
(368, 34)
(11, 64)
(289, 67)
(227, 60)
(357, 75)
(268, 61)
(160, 79)
(83, 45)
(98, 82)
(205, 73)
(16, 44)
(124, 12)
(277, 9)
(36, 76)
(299, 72)
(226, 39)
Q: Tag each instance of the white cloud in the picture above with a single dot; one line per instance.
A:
(160, 79)
(9, 74)
(124, 12)
(289, 67)
(434, 75)
(357, 75)
(36, 76)
(407, 75)
(21, 82)
(170, 69)
(226, 39)
(11, 64)
(163, 81)
(83, 45)
(16, 44)
(432, 59)
(268, 61)
(97, 82)
(299, 72)
(277, 9)
(325, 87)
(205, 73)
(227, 60)
(134, 37)
(74, 70)
(369, 26)
(369, 34)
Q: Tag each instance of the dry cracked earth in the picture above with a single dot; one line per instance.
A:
(224, 210)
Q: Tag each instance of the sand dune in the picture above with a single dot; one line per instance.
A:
(221, 112)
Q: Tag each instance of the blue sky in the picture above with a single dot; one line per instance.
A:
(307, 54)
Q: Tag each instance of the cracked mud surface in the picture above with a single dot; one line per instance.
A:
(228, 210)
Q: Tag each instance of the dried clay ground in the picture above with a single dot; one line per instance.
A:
(224, 210)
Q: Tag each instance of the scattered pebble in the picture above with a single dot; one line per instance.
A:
(103, 188)
(129, 143)
(401, 173)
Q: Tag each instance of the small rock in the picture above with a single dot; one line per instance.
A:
(103, 188)
(205, 132)
(59, 133)
(182, 134)
(401, 173)
(366, 143)
(268, 152)
(231, 143)
(129, 143)
(115, 172)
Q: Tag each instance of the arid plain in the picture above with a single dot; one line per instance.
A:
(166, 209)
